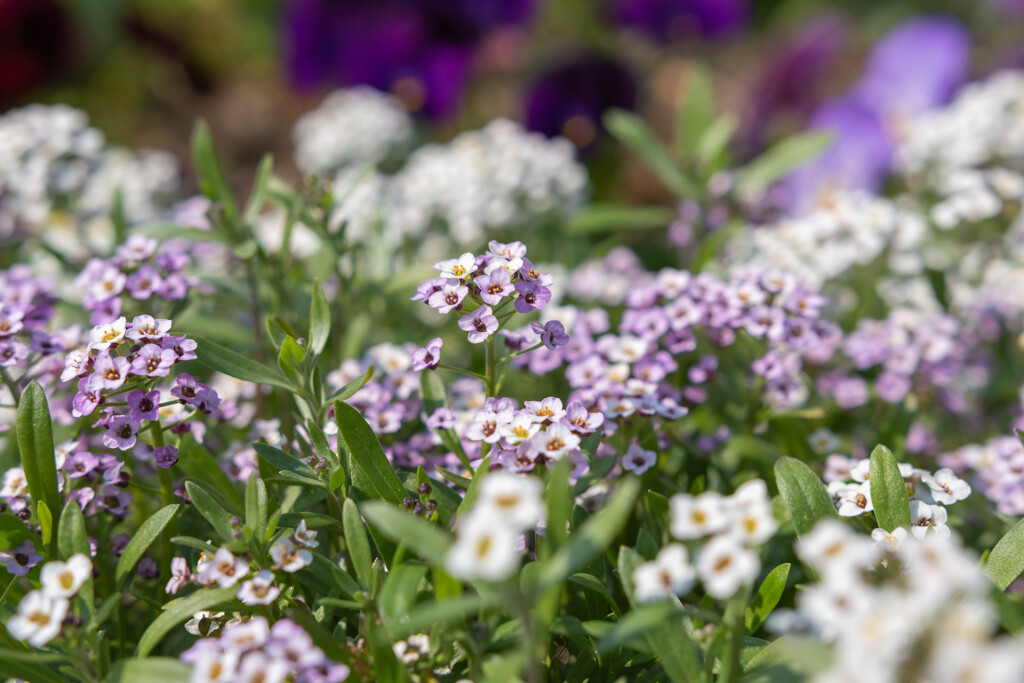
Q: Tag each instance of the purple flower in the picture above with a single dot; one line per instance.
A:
(427, 357)
(532, 296)
(144, 406)
(442, 418)
(449, 297)
(673, 20)
(144, 282)
(850, 392)
(80, 464)
(552, 333)
(21, 559)
(90, 393)
(104, 311)
(184, 349)
(82, 496)
(115, 500)
(166, 456)
(112, 370)
(195, 393)
(10, 321)
(494, 286)
(153, 361)
(174, 287)
(76, 364)
(148, 328)
(480, 324)
(121, 432)
(580, 420)
(424, 291)
(137, 248)
(148, 569)
(12, 352)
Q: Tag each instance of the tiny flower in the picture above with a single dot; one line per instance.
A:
(751, 511)
(532, 296)
(76, 364)
(448, 298)
(165, 457)
(428, 357)
(552, 333)
(153, 361)
(556, 441)
(10, 321)
(457, 268)
(63, 579)
(245, 635)
(15, 484)
(483, 550)
(39, 618)
(144, 406)
(184, 349)
(580, 420)
(121, 432)
(697, 516)
(115, 500)
(144, 282)
(512, 498)
(259, 590)
(225, 569)
(855, 500)
(890, 540)
(414, 649)
(946, 487)
(195, 393)
(20, 559)
(303, 537)
(924, 517)
(724, 565)
(670, 573)
(90, 393)
(480, 324)
(112, 370)
(180, 575)
(510, 265)
(495, 286)
(521, 428)
(289, 557)
(102, 337)
(546, 410)
(146, 327)
(638, 460)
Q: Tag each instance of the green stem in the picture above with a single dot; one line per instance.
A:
(12, 385)
(734, 622)
(468, 373)
(166, 498)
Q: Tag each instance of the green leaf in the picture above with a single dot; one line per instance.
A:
(177, 612)
(72, 537)
(425, 616)
(210, 509)
(155, 669)
(398, 594)
(350, 388)
(598, 218)
(222, 359)
(371, 472)
(45, 518)
(29, 666)
(1006, 561)
(256, 513)
(143, 538)
(888, 491)
(319, 320)
(594, 535)
(434, 397)
(766, 598)
(783, 157)
(313, 520)
(591, 582)
(632, 132)
(259, 189)
(211, 178)
(419, 535)
(35, 445)
(167, 231)
(713, 143)
(804, 494)
(291, 359)
(284, 462)
(358, 544)
(320, 445)
(638, 622)
(197, 463)
(696, 112)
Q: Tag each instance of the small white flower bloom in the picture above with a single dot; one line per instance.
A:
(225, 569)
(890, 540)
(246, 635)
(670, 573)
(512, 265)
(521, 428)
(457, 268)
(39, 618)
(514, 499)
(256, 667)
(15, 484)
(259, 590)
(855, 500)
(924, 517)
(215, 667)
(946, 487)
(289, 557)
(693, 517)
(831, 544)
(63, 579)
(412, 650)
(823, 441)
(304, 537)
(638, 460)
(556, 441)
(751, 513)
(484, 549)
(195, 624)
(104, 336)
(724, 565)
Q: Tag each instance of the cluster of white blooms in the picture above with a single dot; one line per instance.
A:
(732, 525)
(901, 609)
(854, 229)
(52, 160)
(352, 126)
(985, 123)
(498, 177)
(489, 539)
(849, 484)
(41, 612)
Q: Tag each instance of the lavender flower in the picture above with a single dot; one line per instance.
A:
(427, 357)
(21, 559)
(480, 324)
(552, 333)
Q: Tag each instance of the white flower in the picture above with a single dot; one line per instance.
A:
(891, 540)
(522, 427)
(638, 460)
(823, 441)
(180, 575)
(457, 268)
(215, 667)
(831, 544)
(855, 500)
(483, 550)
(670, 573)
(256, 667)
(289, 557)
(104, 336)
(63, 579)
(556, 441)
(212, 619)
(15, 484)
(724, 565)
(413, 649)
(259, 590)
(693, 517)
(750, 512)
(225, 569)
(38, 619)
(304, 537)
(946, 487)
(924, 517)
(512, 499)
(246, 635)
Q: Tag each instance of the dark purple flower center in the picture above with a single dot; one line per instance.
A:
(124, 431)
(480, 325)
(21, 558)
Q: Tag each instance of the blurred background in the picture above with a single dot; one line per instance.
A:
(144, 70)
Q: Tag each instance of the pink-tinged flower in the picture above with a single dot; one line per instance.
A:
(166, 457)
(530, 274)
(180, 575)
(144, 282)
(112, 370)
(12, 352)
(10, 321)
(137, 248)
(104, 336)
(184, 349)
(546, 410)
(289, 557)
(449, 297)
(80, 464)
(480, 324)
(580, 420)
(115, 500)
(174, 287)
(424, 291)
(149, 328)
(76, 364)
(427, 357)
(21, 559)
(144, 406)
(259, 590)
(552, 333)
(638, 460)
(195, 393)
(153, 361)
(121, 432)
(532, 296)
(289, 642)
(495, 286)
(90, 393)
(487, 425)
(457, 268)
(507, 251)
(442, 418)
(225, 569)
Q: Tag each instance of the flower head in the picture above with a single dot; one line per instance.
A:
(39, 618)
(428, 357)
(20, 559)
(480, 324)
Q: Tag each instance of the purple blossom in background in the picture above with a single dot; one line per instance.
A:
(532, 296)
(570, 99)
(194, 393)
(480, 324)
(80, 464)
(429, 356)
(19, 560)
(672, 20)
(552, 333)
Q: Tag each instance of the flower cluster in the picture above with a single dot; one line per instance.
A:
(489, 539)
(731, 527)
(252, 650)
(998, 466)
(26, 309)
(41, 612)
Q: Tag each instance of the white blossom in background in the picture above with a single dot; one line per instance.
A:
(670, 573)
(353, 126)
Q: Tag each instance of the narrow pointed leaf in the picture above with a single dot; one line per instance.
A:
(783, 157)
(148, 532)
(888, 491)
(319, 320)
(358, 545)
(632, 131)
(223, 359)
(371, 471)
(351, 387)
(766, 598)
(35, 445)
(177, 612)
(426, 539)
